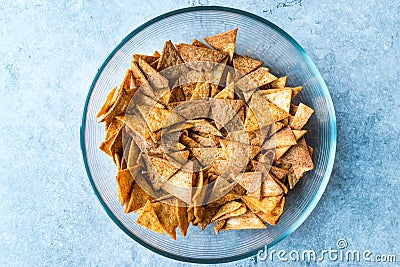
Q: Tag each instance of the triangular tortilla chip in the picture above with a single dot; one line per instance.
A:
(106, 105)
(229, 91)
(299, 155)
(245, 65)
(124, 185)
(270, 188)
(207, 213)
(180, 185)
(198, 43)
(278, 172)
(169, 57)
(206, 155)
(138, 77)
(191, 53)
(273, 217)
(251, 181)
(202, 90)
(138, 198)
(280, 99)
(299, 133)
(177, 96)
(119, 106)
(224, 110)
(224, 42)
(279, 83)
(148, 59)
(182, 217)
(265, 205)
(149, 220)
(243, 222)
(165, 215)
(256, 78)
(301, 117)
(203, 126)
(280, 151)
(296, 90)
(163, 167)
(283, 137)
(218, 226)
(112, 133)
(240, 211)
(227, 208)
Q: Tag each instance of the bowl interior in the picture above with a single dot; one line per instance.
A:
(260, 39)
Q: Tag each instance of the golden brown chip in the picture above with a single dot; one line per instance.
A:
(106, 105)
(270, 188)
(301, 117)
(224, 42)
(191, 53)
(299, 133)
(256, 78)
(283, 137)
(198, 43)
(162, 167)
(279, 83)
(148, 59)
(244, 64)
(169, 57)
(265, 205)
(112, 133)
(124, 185)
(227, 208)
(237, 212)
(244, 222)
(279, 173)
(300, 156)
(207, 213)
(180, 185)
(202, 90)
(281, 99)
(203, 126)
(165, 215)
(182, 217)
(229, 91)
(251, 181)
(149, 220)
(218, 226)
(137, 199)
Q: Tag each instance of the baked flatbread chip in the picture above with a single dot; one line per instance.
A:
(162, 167)
(218, 226)
(124, 185)
(277, 113)
(265, 205)
(229, 91)
(137, 199)
(301, 117)
(281, 99)
(299, 133)
(227, 208)
(203, 126)
(246, 221)
(202, 90)
(283, 137)
(299, 156)
(280, 151)
(106, 105)
(296, 90)
(112, 133)
(256, 78)
(224, 42)
(191, 53)
(279, 173)
(138, 76)
(147, 58)
(180, 185)
(225, 213)
(165, 213)
(169, 57)
(251, 181)
(149, 220)
(279, 83)
(182, 217)
(245, 65)
(207, 213)
(198, 43)
(270, 188)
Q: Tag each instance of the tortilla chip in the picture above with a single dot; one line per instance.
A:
(137, 199)
(162, 167)
(301, 117)
(299, 155)
(244, 222)
(270, 188)
(202, 90)
(124, 185)
(236, 193)
(227, 208)
(265, 205)
(182, 217)
(133, 156)
(191, 53)
(224, 42)
(296, 90)
(148, 59)
(251, 181)
(279, 173)
(277, 113)
(280, 99)
(203, 126)
(106, 105)
(206, 155)
(207, 213)
(168, 222)
(283, 137)
(169, 57)
(180, 185)
(218, 226)
(256, 78)
(293, 109)
(280, 151)
(138, 77)
(198, 43)
(299, 133)
(279, 83)
(229, 91)
(244, 64)
(112, 133)
(149, 220)
(177, 97)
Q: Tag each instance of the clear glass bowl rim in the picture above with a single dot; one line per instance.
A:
(332, 140)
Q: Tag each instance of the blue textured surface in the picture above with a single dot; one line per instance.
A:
(50, 53)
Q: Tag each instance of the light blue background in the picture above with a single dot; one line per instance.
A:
(49, 54)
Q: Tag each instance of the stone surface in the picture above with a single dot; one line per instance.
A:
(50, 51)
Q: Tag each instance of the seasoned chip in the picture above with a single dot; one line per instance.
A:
(182, 217)
(191, 53)
(224, 42)
(180, 185)
(246, 221)
(149, 220)
(124, 185)
(169, 57)
(281, 99)
(218, 226)
(227, 208)
(245, 65)
(301, 117)
(198, 43)
(168, 222)
(265, 205)
(279, 83)
(229, 91)
(270, 188)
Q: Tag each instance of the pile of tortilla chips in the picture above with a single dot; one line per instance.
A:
(258, 197)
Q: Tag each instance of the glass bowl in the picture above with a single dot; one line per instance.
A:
(284, 56)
